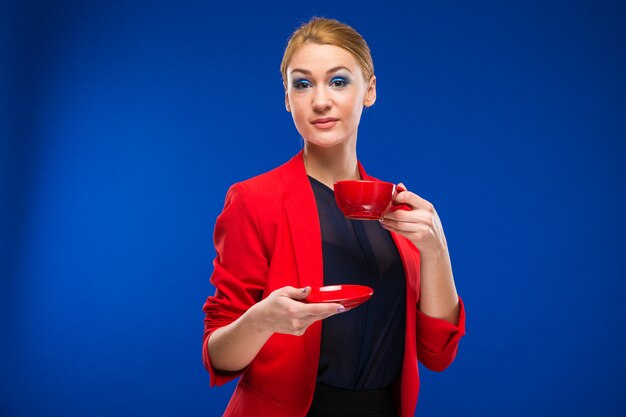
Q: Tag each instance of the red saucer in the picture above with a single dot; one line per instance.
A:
(348, 296)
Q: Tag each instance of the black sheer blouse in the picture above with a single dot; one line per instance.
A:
(363, 348)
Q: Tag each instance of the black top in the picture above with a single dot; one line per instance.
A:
(361, 349)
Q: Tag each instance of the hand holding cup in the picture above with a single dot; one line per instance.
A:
(420, 224)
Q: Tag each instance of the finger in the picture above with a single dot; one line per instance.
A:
(400, 206)
(339, 310)
(397, 227)
(322, 309)
(413, 200)
(307, 321)
(400, 215)
(296, 293)
(407, 227)
(395, 205)
(390, 228)
(400, 188)
(298, 310)
(415, 216)
(313, 318)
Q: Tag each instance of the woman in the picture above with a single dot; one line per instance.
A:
(280, 234)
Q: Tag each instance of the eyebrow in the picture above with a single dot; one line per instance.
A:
(334, 69)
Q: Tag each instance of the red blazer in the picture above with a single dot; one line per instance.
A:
(268, 236)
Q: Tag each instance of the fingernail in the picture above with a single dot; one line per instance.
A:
(304, 289)
(341, 309)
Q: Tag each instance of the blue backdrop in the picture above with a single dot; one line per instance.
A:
(124, 123)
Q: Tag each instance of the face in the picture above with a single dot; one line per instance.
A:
(326, 93)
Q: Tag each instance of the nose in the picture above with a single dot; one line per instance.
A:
(321, 100)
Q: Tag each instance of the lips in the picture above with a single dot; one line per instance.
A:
(325, 122)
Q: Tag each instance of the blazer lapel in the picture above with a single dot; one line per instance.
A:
(306, 236)
(304, 224)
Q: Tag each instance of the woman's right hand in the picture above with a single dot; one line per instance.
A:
(284, 311)
(234, 346)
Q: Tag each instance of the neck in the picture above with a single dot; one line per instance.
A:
(328, 165)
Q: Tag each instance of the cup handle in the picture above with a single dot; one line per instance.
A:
(401, 206)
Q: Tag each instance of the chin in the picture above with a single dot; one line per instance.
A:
(326, 142)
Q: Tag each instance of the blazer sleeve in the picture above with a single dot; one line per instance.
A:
(240, 270)
(438, 340)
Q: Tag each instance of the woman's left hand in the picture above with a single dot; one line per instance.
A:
(421, 225)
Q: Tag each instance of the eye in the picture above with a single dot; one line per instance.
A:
(339, 82)
(301, 84)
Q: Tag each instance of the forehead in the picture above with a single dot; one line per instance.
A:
(320, 58)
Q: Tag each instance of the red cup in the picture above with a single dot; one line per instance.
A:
(367, 200)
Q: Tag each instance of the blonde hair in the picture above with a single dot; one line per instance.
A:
(325, 31)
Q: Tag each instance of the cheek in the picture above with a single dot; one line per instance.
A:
(298, 115)
(296, 105)
(354, 107)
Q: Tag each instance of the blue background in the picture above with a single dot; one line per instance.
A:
(124, 123)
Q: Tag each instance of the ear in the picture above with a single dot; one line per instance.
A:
(287, 106)
(370, 93)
